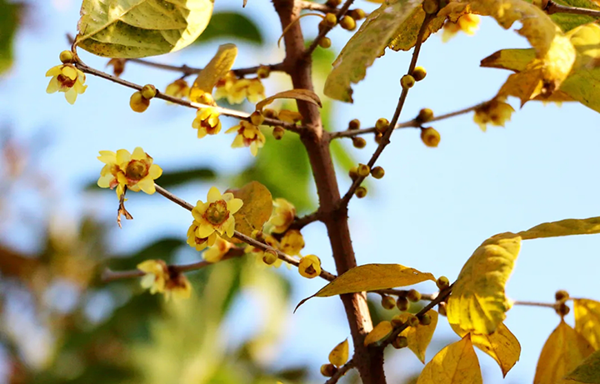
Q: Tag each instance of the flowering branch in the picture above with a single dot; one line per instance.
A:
(385, 140)
(303, 221)
(325, 29)
(414, 123)
(552, 8)
(341, 372)
(190, 104)
(187, 71)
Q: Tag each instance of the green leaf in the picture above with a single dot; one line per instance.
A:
(588, 371)
(140, 28)
(231, 25)
(176, 178)
(365, 46)
(9, 22)
(568, 21)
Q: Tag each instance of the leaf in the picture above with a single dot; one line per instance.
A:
(568, 227)
(215, 70)
(231, 25)
(140, 28)
(258, 204)
(564, 350)
(378, 333)
(420, 336)
(9, 23)
(297, 94)
(501, 345)
(365, 46)
(478, 301)
(511, 59)
(339, 355)
(569, 21)
(455, 364)
(587, 372)
(587, 320)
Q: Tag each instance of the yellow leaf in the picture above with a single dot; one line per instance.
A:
(339, 355)
(511, 59)
(216, 69)
(378, 333)
(587, 320)
(568, 227)
(564, 350)
(258, 204)
(501, 345)
(587, 372)
(478, 302)
(365, 46)
(455, 364)
(420, 336)
(298, 94)
(140, 28)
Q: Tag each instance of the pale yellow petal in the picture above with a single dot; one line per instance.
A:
(155, 171)
(71, 96)
(213, 195)
(205, 230)
(69, 72)
(234, 205)
(107, 157)
(138, 154)
(123, 157)
(147, 185)
(53, 85)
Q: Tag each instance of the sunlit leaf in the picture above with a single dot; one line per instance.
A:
(365, 46)
(568, 21)
(587, 372)
(587, 320)
(227, 25)
(501, 345)
(455, 364)
(420, 336)
(339, 355)
(140, 28)
(478, 301)
(378, 333)
(568, 227)
(564, 350)
(297, 94)
(258, 204)
(216, 69)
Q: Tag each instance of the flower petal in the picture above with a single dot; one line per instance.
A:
(205, 230)
(138, 154)
(53, 85)
(213, 195)
(123, 157)
(234, 205)
(155, 171)
(147, 185)
(71, 96)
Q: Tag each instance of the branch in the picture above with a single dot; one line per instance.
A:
(190, 104)
(187, 71)
(414, 123)
(552, 8)
(303, 221)
(537, 304)
(341, 372)
(325, 30)
(385, 140)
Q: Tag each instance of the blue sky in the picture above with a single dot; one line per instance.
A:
(430, 211)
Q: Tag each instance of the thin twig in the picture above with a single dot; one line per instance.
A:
(341, 372)
(187, 70)
(317, 7)
(325, 29)
(552, 8)
(385, 140)
(414, 123)
(190, 104)
(303, 221)
(404, 293)
(536, 304)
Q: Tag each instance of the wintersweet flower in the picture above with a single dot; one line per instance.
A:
(196, 242)
(136, 171)
(68, 79)
(260, 254)
(468, 23)
(496, 112)
(289, 116)
(248, 135)
(216, 215)
(310, 266)
(282, 217)
(236, 90)
(292, 242)
(178, 286)
(207, 122)
(156, 275)
(216, 252)
(179, 88)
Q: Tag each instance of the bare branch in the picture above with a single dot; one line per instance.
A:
(325, 30)
(341, 372)
(552, 8)
(187, 71)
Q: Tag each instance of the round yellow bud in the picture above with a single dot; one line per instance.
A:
(348, 23)
(270, 113)
(270, 257)
(354, 124)
(325, 42)
(402, 304)
(359, 142)
(425, 115)
(442, 282)
(400, 342)
(328, 370)
(330, 20)
(263, 72)
(397, 321)
(310, 266)
(257, 118)
(378, 137)
(66, 57)
(333, 3)
(138, 103)
(382, 125)
(563, 309)
(148, 91)
(430, 137)
(363, 170)
(425, 319)
(388, 302)
(361, 192)
(377, 172)
(278, 133)
(357, 14)
(413, 321)
(431, 6)
(407, 81)
(413, 295)
(353, 173)
(419, 73)
(206, 98)
(561, 295)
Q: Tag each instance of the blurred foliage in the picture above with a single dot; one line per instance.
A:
(227, 25)
(9, 23)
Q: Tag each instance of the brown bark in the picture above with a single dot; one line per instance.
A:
(369, 361)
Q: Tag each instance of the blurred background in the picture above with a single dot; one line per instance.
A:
(60, 324)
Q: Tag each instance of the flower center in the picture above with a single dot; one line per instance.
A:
(217, 212)
(136, 170)
(65, 81)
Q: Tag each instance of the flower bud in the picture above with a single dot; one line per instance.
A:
(257, 118)
(357, 14)
(363, 170)
(413, 296)
(377, 172)
(382, 125)
(425, 319)
(419, 73)
(402, 304)
(354, 124)
(270, 257)
(361, 192)
(442, 282)
(263, 72)
(148, 91)
(278, 132)
(330, 20)
(407, 81)
(359, 142)
(353, 173)
(425, 115)
(328, 370)
(431, 6)
(325, 42)
(400, 342)
(348, 23)
(561, 295)
(430, 137)
(66, 57)
(388, 302)
(138, 103)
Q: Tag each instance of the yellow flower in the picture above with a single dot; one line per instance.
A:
(292, 242)
(236, 90)
(207, 122)
(495, 112)
(248, 135)
(118, 66)
(68, 79)
(282, 217)
(136, 171)
(310, 266)
(260, 254)
(289, 116)
(179, 88)
(196, 242)
(156, 275)
(159, 278)
(216, 252)
(467, 23)
(216, 215)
